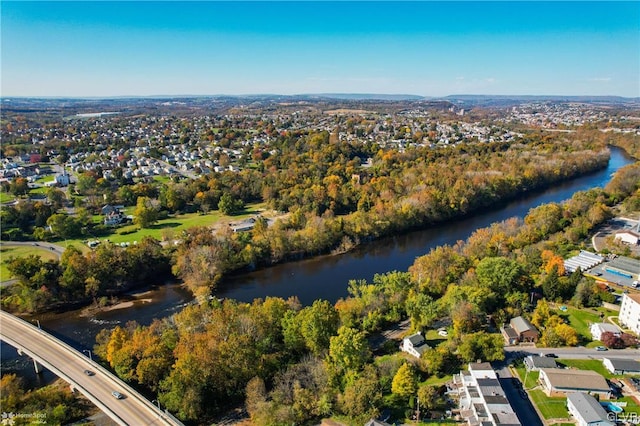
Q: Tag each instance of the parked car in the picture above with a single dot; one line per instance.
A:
(601, 348)
(117, 395)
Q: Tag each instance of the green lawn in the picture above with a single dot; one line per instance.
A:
(171, 226)
(162, 179)
(44, 179)
(581, 320)
(632, 406)
(531, 378)
(20, 251)
(551, 408)
(5, 197)
(437, 381)
(587, 364)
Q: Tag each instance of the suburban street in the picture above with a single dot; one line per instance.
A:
(572, 353)
(516, 396)
(70, 365)
(55, 248)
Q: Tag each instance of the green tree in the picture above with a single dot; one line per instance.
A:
(230, 205)
(501, 275)
(441, 360)
(480, 345)
(348, 350)
(405, 382)
(56, 197)
(145, 214)
(587, 294)
(64, 226)
(428, 397)
(363, 395)
(318, 323)
(19, 186)
(422, 310)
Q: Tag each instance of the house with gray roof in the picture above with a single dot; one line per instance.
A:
(557, 382)
(621, 366)
(535, 363)
(414, 345)
(587, 410)
(519, 330)
(599, 328)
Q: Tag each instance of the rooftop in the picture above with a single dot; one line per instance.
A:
(575, 379)
(590, 409)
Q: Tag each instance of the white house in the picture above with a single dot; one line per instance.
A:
(414, 345)
(587, 410)
(628, 237)
(621, 366)
(598, 328)
(482, 400)
(558, 382)
(63, 179)
(630, 312)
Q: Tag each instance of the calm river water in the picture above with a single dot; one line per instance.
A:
(324, 277)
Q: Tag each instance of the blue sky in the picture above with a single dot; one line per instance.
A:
(424, 48)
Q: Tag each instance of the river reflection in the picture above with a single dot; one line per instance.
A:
(323, 277)
(326, 277)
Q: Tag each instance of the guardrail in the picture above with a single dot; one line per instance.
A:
(164, 415)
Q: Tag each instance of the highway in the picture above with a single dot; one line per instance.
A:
(70, 365)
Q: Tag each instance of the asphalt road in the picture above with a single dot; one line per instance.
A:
(518, 399)
(133, 410)
(53, 247)
(573, 353)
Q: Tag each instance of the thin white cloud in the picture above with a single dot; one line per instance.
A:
(600, 79)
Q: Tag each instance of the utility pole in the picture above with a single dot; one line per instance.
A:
(418, 411)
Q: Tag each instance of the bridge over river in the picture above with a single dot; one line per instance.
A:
(69, 364)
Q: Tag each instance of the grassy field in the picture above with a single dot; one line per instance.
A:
(587, 364)
(162, 179)
(551, 408)
(581, 320)
(20, 251)
(5, 197)
(170, 227)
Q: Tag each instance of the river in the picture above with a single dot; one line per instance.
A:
(323, 277)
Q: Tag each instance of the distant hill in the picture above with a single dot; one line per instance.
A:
(488, 100)
(369, 96)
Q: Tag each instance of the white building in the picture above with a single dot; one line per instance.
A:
(628, 237)
(482, 399)
(598, 328)
(414, 345)
(630, 312)
(63, 179)
(587, 410)
(621, 366)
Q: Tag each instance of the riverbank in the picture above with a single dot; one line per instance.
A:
(325, 277)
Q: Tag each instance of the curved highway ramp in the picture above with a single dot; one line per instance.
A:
(69, 364)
